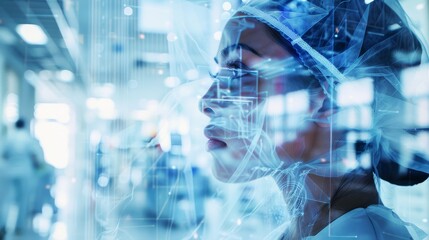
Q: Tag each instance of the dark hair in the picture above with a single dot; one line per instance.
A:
(20, 123)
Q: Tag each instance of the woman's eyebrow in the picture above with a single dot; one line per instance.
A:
(226, 51)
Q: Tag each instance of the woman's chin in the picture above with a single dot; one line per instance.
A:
(227, 175)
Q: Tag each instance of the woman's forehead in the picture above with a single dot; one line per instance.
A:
(247, 33)
(240, 25)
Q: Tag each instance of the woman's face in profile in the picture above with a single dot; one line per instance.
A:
(254, 72)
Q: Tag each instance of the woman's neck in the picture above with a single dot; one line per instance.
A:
(324, 199)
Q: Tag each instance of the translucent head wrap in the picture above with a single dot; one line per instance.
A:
(339, 40)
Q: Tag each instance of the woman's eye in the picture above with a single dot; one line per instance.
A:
(236, 65)
(213, 75)
(235, 76)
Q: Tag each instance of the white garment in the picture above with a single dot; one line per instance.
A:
(373, 222)
(20, 155)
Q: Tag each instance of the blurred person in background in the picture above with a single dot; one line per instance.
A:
(272, 50)
(21, 156)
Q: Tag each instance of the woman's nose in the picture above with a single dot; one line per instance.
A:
(207, 110)
(207, 106)
(210, 102)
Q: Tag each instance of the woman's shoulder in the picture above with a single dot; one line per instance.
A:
(373, 222)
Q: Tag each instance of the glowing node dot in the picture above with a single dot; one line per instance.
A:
(103, 181)
(171, 37)
(239, 221)
(141, 36)
(128, 11)
(217, 35)
(226, 6)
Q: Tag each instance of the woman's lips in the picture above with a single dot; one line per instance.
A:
(213, 144)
